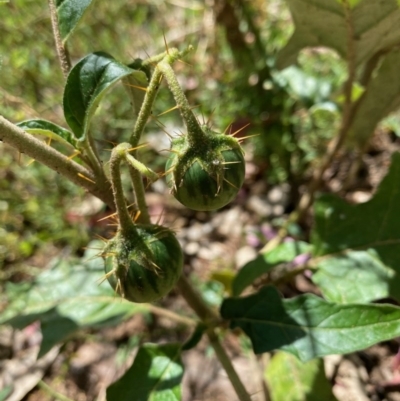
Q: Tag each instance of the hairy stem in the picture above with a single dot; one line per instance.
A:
(140, 197)
(145, 110)
(33, 147)
(126, 224)
(62, 51)
(195, 133)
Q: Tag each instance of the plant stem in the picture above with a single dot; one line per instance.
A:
(44, 386)
(207, 315)
(33, 147)
(145, 110)
(172, 315)
(237, 384)
(126, 224)
(195, 133)
(62, 51)
(140, 197)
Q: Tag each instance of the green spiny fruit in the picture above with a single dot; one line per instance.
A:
(143, 266)
(209, 175)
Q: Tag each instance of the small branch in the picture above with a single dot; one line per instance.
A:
(207, 315)
(53, 393)
(33, 147)
(226, 363)
(62, 51)
(195, 301)
(125, 221)
(140, 196)
(172, 315)
(145, 110)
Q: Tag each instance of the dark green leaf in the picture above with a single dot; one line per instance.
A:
(376, 27)
(292, 380)
(69, 13)
(155, 375)
(285, 252)
(86, 85)
(48, 129)
(353, 277)
(340, 227)
(308, 326)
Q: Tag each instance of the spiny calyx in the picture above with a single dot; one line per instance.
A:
(145, 265)
(207, 174)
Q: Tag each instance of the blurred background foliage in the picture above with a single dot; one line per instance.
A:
(231, 77)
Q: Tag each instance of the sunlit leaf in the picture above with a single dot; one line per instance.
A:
(340, 227)
(48, 129)
(308, 326)
(65, 298)
(353, 277)
(69, 13)
(292, 380)
(86, 85)
(155, 375)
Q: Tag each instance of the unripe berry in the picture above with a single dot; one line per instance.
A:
(209, 175)
(144, 266)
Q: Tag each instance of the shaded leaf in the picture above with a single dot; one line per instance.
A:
(86, 85)
(353, 277)
(155, 375)
(308, 326)
(69, 13)
(48, 129)
(292, 380)
(376, 27)
(382, 96)
(68, 297)
(265, 262)
(340, 227)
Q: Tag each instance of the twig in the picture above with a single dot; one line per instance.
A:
(33, 147)
(227, 365)
(62, 51)
(207, 315)
(44, 386)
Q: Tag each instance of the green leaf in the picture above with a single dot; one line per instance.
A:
(340, 227)
(5, 392)
(291, 380)
(376, 27)
(308, 326)
(48, 129)
(86, 85)
(382, 96)
(155, 375)
(66, 298)
(265, 262)
(69, 13)
(353, 277)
